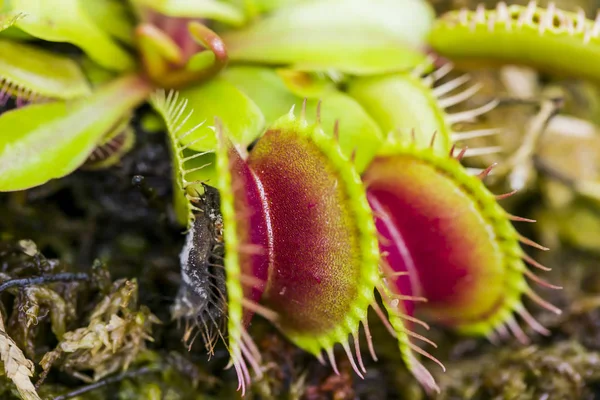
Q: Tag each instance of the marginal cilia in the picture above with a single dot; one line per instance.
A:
(528, 35)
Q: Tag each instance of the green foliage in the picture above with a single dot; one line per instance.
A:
(366, 38)
(358, 134)
(241, 117)
(174, 53)
(401, 105)
(111, 16)
(211, 9)
(342, 65)
(67, 21)
(38, 73)
(48, 141)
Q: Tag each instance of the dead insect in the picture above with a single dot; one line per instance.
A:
(202, 297)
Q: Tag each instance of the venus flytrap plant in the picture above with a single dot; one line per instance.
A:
(233, 264)
(301, 219)
(300, 276)
(317, 292)
(332, 285)
(257, 96)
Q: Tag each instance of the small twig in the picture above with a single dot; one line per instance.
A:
(553, 173)
(109, 381)
(583, 187)
(507, 101)
(520, 163)
(39, 280)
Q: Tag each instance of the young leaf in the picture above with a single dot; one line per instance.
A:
(366, 37)
(46, 141)
(67, 21)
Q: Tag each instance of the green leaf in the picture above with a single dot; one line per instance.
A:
(353, 36)
(255, 8)
(112, 16)
(402, 104)
(66, 21)
(265, 6)
(210, 9)
(264, 87)
(95, 74)
(357, 130)
(218, 98)
(38, 73)
(306, 84)
(358, 134)
(46, 141)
